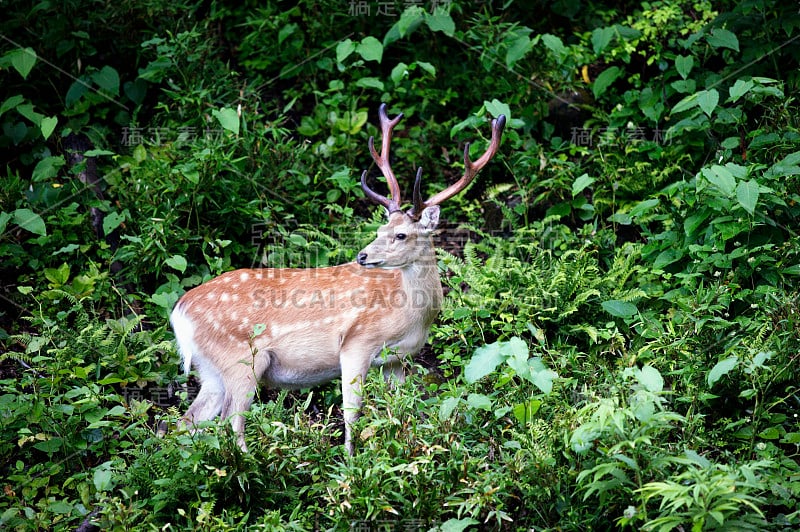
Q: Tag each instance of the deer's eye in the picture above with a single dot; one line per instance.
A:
(400, 236)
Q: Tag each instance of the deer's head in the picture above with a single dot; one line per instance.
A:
(406, 238)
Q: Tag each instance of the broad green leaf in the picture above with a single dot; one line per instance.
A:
(50, 445)
(747, 195)
(479, 401)
(370, 83)
(410, 20)
(601, 37)
(457, 525)
(770, 433)
(721, 177)
(497, 108)
(684, 65)
(524, 412)
(30, 221)
(441, 20)
(58, 276)
(619, 309)
(370, 49)
(686, 103)
(11, 103)
(721, 368)
(111, 221)
(790, 270)
(708, 100)
(23, 59)
(739, 89)
(107, 79)
(228, 118)
(447, 407)
(5, 217)
(667, 257)
(556, 45)
(298, 240)
(605, 79)
(286, 31)
(518, 48)
(344, 49)
(102, 478)
(484, 361)
(47, 168)
(542, 377)
(651, 379)
(721, 38)
(75, 92)
(176, 262)
(581, 183)
(47, 126)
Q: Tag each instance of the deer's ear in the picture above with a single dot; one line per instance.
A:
(429, 219)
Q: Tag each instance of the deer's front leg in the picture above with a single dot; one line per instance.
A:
(354, 366)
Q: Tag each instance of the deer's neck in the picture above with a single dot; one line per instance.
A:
(422, 283)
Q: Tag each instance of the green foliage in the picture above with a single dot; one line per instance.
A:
(618, 346)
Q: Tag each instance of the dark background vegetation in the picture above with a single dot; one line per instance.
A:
(619, 344)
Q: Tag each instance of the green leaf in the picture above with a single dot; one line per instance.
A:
(747, 195)
(75, 92)
(497, 108)
(30, 221)
(790, 270)
(47, 168)
(286, 31)
(370, 83)
(409, 21)
(684, 65)
(619, 309)
(49, 446)
(605, 79)
(228, 119)
(739, 89)
(111, 221)
(11, 102)
(721, 368)
(370, 49)
(518, 48)
(458, 525)
(686, 103)
(441, 20)
(479, 401)
(581, 183)
(721, 38)
(708, 100)
(344, 49)
(47, 126)
(57, 276)
(447, 408)
(770, 433)
(102, 477)
(667, 257)
(721, 177)
(484, 361)
(651, 379)
(176, 262)
(555, 45)
(601, 37)
(5, 217)
(23, 59)
(107, 79)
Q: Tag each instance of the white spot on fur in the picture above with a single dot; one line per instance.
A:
(225, 297)
(244, 277)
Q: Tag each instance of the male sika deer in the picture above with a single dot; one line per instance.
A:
(296, 328)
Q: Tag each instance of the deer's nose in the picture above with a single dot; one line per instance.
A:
(362, 258)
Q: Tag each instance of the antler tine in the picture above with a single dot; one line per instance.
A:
(382, 160)
(418, 204)
(471, 169)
